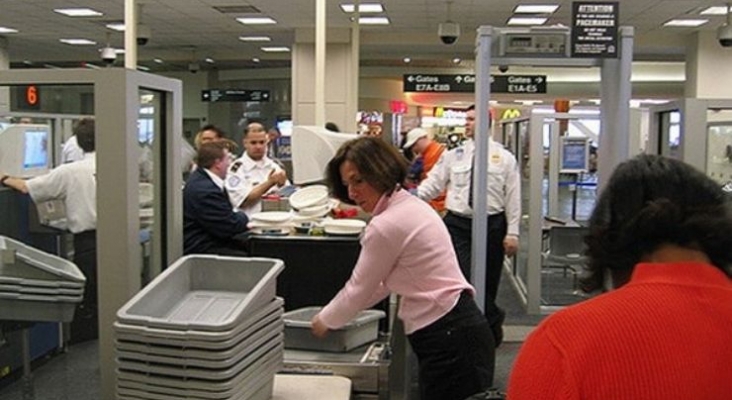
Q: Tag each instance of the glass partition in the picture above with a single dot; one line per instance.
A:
(719, 146)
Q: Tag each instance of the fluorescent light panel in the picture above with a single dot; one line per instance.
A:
(209, 60)
(7, 30)
(686, 22)
(363, 8)
(255, 38)
(116, 26)
(535, 9)
(256, 20)
(275, 49)
(716, 10)
(526, 21)
(78, 12)
(373, 21)
(78, 42)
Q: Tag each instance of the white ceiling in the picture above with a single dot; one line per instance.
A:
(191, 30)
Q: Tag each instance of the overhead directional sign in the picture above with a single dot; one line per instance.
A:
(439, 83)
(214, 95)
(465, 83)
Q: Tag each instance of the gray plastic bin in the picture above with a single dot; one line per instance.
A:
(22, 264)
(37, 286)
(204, 292)
(359, 331)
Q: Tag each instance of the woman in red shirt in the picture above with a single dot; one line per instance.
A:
(663, 232)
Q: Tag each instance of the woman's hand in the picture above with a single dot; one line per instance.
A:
(318, 328)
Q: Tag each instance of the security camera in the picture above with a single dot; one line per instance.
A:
(724, 35)
(503, 68)
(108, 55)
(143, 34)
(194, 67)
(449, 32)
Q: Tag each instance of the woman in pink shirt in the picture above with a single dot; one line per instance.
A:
(406, 249)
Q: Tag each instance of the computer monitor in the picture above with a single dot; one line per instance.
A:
(312, 148)
(25, 150)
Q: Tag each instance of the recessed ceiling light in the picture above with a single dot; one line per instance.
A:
(363, 8)
(255, 38)
(116, 26)
(716, 10)
(686, 22)
(407, 60)
(373, 21)
(256, 20)
(526, 21)
(456, 60)
(275, 49)
(78, 12)
(209, 60)
(7, 30)
(142, 68)
(535, 9)
(255, 59)
(158, 60)
(78, 42)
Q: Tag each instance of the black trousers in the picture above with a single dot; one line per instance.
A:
(456, 353)
(85, 325)
(461, 233)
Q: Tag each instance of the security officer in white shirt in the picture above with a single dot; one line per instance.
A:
(74, 183)
(253, 175)
(453, 172)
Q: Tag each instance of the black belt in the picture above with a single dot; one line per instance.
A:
(457, 215)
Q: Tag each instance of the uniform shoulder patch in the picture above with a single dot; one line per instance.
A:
(235, 166)
(233, 181)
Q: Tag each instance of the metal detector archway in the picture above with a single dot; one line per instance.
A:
(615, 123)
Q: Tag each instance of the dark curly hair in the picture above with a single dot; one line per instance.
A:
(650, 201)
(378, 162)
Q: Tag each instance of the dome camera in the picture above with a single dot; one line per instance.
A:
(143, 34)
(449, 32)
(503, 68)
(724, 35)
(108, 55)
(194, 67)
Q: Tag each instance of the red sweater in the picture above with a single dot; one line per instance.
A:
(667, 334)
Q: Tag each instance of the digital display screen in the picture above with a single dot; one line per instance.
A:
(574, 155)
(35, 151)
(521, 41)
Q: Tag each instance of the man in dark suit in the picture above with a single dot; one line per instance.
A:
(209, 220)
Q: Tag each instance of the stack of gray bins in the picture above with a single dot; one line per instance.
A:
(37, 286)
(208, 327)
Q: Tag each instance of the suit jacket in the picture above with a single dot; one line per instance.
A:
(209, 220)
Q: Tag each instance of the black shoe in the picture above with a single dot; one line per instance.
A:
(490, 394)
(497, 326)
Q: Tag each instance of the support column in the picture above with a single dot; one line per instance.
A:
(615, 96)
(341, 70)
(4, 65)
(707, 67)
